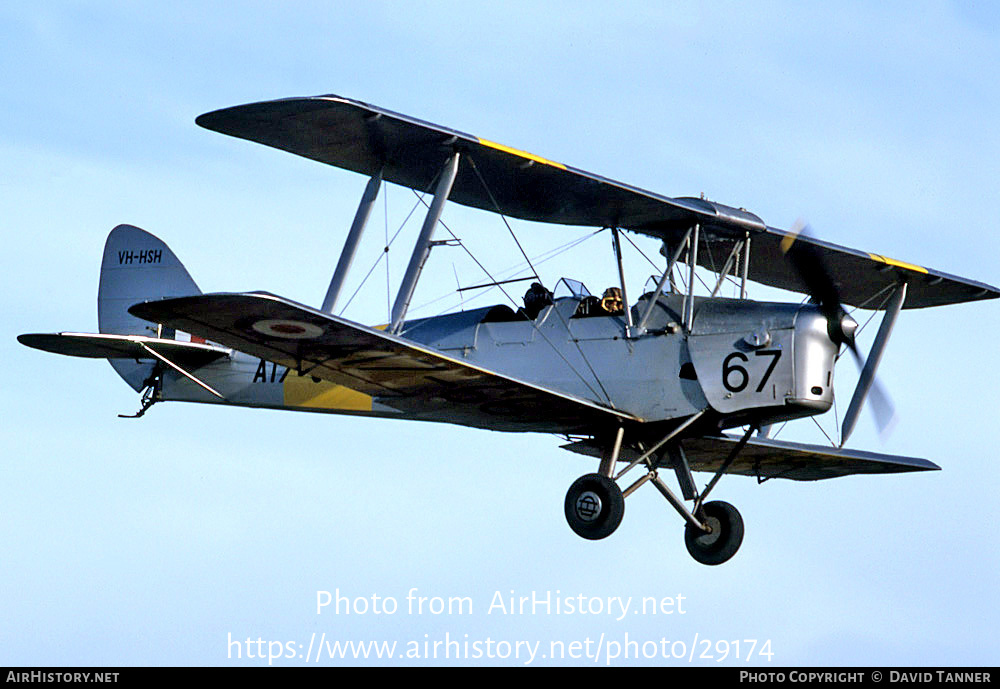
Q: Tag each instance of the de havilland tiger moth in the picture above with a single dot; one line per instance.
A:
(649, 384)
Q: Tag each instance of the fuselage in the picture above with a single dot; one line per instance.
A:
(745, 361)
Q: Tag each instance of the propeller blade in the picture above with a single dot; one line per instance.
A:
(821, 286)
(868, 386)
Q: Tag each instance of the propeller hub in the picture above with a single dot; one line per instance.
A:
(843, 329)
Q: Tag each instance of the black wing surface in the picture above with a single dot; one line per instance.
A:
(396, 371)
(367, 139)
(107, 346)
(767, 459)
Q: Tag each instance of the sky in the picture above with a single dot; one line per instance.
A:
(205, 535)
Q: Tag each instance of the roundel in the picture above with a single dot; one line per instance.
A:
(289, 330)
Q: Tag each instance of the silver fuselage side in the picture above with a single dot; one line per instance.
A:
(748, 362)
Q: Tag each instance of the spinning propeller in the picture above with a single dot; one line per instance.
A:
(821, 287)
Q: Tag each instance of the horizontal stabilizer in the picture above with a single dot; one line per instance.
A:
(767, 459)
(105, 346)
(405, 375)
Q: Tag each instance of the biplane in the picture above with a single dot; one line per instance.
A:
(669, 382)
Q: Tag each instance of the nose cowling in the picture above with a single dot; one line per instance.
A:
(815, 348)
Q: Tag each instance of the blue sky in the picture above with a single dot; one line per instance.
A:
(150, 542)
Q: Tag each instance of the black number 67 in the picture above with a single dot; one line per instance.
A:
(731, 370)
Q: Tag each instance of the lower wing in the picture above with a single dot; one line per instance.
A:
(767, 459)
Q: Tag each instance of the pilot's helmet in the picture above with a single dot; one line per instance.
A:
(612, 300)
(536, 292)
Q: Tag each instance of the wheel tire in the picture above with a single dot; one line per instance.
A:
(594, 506)
(725, 538)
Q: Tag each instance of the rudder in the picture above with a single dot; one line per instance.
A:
(137, 266)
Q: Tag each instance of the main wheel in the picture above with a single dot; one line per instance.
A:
(724, 539)
(594, 506)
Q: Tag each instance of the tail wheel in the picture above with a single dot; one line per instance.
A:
(594, 506)
(723, 539)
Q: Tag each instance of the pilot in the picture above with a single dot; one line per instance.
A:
(536, 299)
(612, 301)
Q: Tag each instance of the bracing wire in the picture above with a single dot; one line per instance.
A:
(511, 271)
(385, 251)
(503, 217)
(537, 329)
(641, 252)
(385, 255)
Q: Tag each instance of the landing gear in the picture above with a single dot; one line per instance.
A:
(150, 393)
(723, 538)
(595, 505)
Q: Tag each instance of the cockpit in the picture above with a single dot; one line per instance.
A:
(537, 297)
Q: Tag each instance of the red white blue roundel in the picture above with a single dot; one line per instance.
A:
(289, 330)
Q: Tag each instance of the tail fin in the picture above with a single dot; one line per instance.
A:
(136, 266)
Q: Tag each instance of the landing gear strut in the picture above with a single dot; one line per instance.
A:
(595, 505)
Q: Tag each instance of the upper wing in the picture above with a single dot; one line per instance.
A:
(402, 374)
(366, 139)
(767, 459)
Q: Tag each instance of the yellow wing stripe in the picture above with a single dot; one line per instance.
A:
(898, 264)
(522, 154)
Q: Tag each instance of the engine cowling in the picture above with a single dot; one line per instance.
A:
(763, 362)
